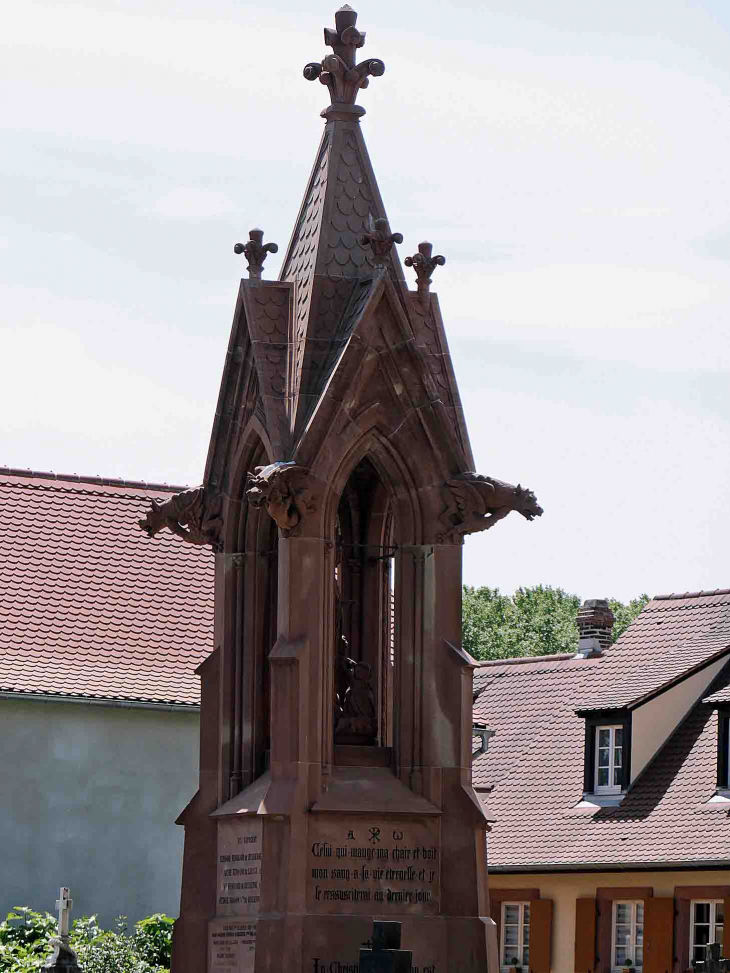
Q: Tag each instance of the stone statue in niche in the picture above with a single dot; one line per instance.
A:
(475, 503)
(355, 716)
(284, 490)
(191, 515)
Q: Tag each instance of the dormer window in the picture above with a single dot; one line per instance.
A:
(607, 755)
(609, 759)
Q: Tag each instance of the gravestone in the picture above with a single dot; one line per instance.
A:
(336, 714)
(383, 954)
(63, 959)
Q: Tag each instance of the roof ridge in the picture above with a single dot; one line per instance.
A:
(516, 660)
(691, 594)
(97, 480)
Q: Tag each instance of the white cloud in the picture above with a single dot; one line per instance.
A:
(189, 203)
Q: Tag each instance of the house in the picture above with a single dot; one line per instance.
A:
(99, 701)
(607, 784)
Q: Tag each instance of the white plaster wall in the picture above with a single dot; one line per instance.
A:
(89, 798)
(652, 723)
(564, 888)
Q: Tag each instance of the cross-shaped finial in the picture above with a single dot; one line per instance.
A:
(64, 905)
(380, 239)
(424, 265)
(338, 71)
(255, 252)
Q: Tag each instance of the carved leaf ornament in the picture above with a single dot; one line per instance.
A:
(338, 71)
(255, 252)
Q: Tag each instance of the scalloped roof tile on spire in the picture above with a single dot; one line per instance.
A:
(88, 607)
(326, 257)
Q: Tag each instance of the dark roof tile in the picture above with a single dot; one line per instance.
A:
(89, 605)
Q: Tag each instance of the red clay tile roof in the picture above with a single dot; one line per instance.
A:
(674, 633)
(90, 606)
(721, 696)
(532, 773)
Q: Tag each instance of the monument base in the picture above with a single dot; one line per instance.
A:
(331, 944)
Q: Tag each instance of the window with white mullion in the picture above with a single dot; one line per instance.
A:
(706, 926)
(515, 934)
(627, 937)
(609, 759)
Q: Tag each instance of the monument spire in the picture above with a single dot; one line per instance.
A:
(330, 256)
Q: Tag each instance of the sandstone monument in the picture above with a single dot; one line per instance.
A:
(336, 739)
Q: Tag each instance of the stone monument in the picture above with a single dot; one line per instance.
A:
(336, 715)
(63, 959)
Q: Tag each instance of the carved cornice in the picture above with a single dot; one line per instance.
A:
(338, 71)
(286, 491)
(474, 503)
(193, 515)
(255, 252)
(380, 239)
(424, 265)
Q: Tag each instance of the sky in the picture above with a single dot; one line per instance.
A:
(569, 158)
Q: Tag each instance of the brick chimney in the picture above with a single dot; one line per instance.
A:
(595, 624)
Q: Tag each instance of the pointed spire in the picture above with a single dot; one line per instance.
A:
(338, 71)
(342, 243)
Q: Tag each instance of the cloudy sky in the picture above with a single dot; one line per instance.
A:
(569, 157)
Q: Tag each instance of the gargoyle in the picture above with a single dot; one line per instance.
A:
(475, 502)
(189, 515)
(283, 489)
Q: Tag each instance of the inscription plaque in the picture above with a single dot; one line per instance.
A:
(239, 866)
(231, 945)
(369, 864)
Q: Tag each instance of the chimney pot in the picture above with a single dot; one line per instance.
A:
(595, 622)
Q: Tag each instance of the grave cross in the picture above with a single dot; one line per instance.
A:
(712, 963)
(64, 904)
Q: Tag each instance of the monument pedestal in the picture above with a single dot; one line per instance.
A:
(302, 895)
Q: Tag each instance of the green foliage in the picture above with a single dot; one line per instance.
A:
(625, 614)
(153, 939)
(533, 621)
(26, 943)
(25, 938)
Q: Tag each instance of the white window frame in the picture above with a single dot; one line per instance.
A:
(519, 949)
(609, 788)
(631, 948)
(713, 904)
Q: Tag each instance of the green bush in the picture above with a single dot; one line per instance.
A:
(25, 943)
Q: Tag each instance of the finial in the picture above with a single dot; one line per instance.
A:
(380, 239)
(255, 252)
(338, 71)
(424, 265)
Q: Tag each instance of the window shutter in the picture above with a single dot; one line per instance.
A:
(658, 935)
(585, 935)
(541, 935)
(726, 928)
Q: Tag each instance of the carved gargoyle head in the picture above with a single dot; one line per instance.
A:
(527, 503)
(282, 489)
(154, 521)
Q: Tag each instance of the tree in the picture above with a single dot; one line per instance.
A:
(534, 621)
